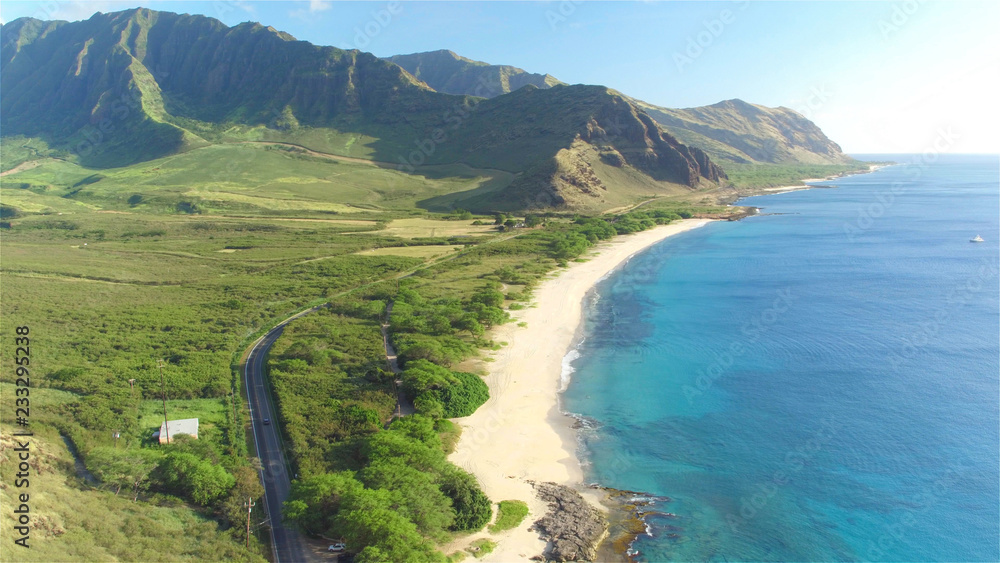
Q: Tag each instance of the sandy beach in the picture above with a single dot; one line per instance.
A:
(520, 434)
(804, 184)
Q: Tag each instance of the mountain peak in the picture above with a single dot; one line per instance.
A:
(738, 105)
(451, 73)
(739, 131)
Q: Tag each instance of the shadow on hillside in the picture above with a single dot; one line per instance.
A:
(118, 145)
(481, 199)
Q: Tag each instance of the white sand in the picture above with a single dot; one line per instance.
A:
(783, 189)
(520, 433)
(803, 185)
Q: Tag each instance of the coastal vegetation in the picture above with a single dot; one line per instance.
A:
(750, 176)
(146, 256)
(482, 547)
(510, 514)
(404, 496)
(110, 285)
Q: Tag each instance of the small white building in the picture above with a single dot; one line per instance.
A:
(187, 426)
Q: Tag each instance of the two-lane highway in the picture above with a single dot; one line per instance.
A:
(287, 543)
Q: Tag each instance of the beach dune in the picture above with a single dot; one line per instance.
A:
(520, 434)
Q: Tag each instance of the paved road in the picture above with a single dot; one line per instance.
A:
(288, 545)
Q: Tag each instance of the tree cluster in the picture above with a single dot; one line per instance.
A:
(406, 497)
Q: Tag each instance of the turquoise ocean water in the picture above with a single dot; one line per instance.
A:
(817, 383)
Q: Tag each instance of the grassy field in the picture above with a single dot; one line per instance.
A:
(72, 521)
(209, 412)
(418, 227)
(16, 150)
(242, 179)
(39, 397)
(413, 251)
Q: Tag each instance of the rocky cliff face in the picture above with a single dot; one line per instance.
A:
(738, 131)
(732, 130)
(565, 137)
(450, 73)
(639, 141)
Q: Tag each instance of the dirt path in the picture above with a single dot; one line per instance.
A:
(404, 406)
(22, 167)
(378, 163)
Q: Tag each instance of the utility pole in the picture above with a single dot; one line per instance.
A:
(163, 393)
(249, 504)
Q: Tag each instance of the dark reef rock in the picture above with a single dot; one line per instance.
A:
(573, 528)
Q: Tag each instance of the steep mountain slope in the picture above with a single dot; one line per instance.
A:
(742, 132)
(593, 133)
(147, 77)
(139, 84)
(450, 73)
(731, 130)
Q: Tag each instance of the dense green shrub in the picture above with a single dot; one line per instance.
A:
(406, 494)
(464, 398)
(473, 509)
(123, 469)
(510, 514)
(189, 476)
(439, 390)
(444, 350)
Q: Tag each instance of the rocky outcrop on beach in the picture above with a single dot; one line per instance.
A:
(627, 515)
(572, 527)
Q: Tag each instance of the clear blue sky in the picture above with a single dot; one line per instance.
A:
(876, 76)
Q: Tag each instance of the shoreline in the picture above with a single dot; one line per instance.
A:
(805, 184)
(521, 434)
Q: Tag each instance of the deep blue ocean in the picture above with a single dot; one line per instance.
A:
(817, 383)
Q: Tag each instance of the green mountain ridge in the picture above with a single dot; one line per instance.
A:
(450, 73)
(136, 85)
(731, 130)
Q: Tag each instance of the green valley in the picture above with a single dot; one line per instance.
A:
(172, 189)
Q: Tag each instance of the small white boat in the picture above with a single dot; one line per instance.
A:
(977, 238)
